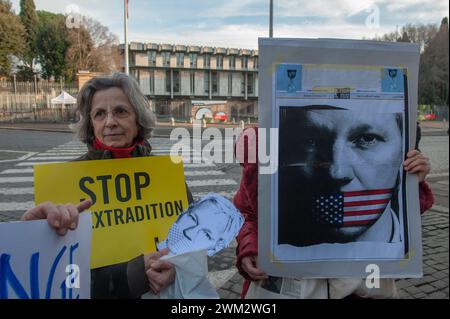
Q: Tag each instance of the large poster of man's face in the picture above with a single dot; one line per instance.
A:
(339, 176)
(336, 200)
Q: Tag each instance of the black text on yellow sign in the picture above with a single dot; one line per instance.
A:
(135, 201)
(125, 188)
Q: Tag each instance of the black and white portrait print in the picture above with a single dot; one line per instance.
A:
(339, 176)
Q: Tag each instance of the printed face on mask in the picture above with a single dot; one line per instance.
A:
(350, 162)
(199, 228)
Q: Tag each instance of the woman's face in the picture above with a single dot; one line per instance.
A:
(113, 118)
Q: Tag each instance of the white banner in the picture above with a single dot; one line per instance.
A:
(36, 263)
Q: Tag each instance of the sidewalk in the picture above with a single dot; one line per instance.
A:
(434, 128)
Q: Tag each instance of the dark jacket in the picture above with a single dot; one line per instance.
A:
(125, 280)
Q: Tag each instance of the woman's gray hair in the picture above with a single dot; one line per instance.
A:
(145, 119)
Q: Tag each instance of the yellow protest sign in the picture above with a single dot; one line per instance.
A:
(136, 200)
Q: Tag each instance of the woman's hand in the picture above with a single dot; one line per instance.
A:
(418, 164)
(59, 217)
(248, 263)
(160, 273)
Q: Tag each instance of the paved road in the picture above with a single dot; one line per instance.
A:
(19, 150)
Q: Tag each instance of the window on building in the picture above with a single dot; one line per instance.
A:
(176, 82)
(152, 82)
(256, 62)
(168, 81)
(230, 84)
(250, 83)
(135, 73)
(151, 58)
(234, 111)
(192, 83)
(207, 60)
(245, 62)
(232, 62)
(180, 59)
(206, 82)
(219, 61)
(193, 60)
(214, 82)
(243, 84)
(166, 58)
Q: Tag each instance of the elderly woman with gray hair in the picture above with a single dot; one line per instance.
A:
(115, 122)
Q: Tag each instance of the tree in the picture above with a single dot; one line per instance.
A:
(404, 38)
(79, 53)
(433, 71)
(434, 67)
(92, 47)
(51, 44)
(415, 33)
(12, 33)
(105, 43)
(420, 33)
(29, 20)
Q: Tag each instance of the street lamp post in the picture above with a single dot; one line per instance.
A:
(271, 20)
(15, 92)
(127, 68)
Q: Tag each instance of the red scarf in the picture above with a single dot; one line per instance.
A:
(117, 152)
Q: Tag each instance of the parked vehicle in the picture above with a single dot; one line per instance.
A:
(220, 116)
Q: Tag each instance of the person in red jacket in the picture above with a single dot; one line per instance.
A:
(246, 200)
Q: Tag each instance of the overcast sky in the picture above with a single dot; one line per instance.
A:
(239, 23)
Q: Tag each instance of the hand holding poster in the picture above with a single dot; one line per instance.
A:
(135, 201)
(339, 200)
(36, 263)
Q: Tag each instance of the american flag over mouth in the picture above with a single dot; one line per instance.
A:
(359, 208)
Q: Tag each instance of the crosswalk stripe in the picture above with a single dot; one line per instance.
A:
(16, 191)
(48, 158)
(16, 206)
(61, 153)
(196, 157)
(211, 182)
(198, 165)
(203, 173)
(228, 195)
(37, 163)
(161, 150)
(18, 171)
(16, 179)
(69, 148)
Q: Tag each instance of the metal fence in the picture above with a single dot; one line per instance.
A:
(36, 107)
(37, 87)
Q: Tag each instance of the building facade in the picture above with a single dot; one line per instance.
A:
(180, 80)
